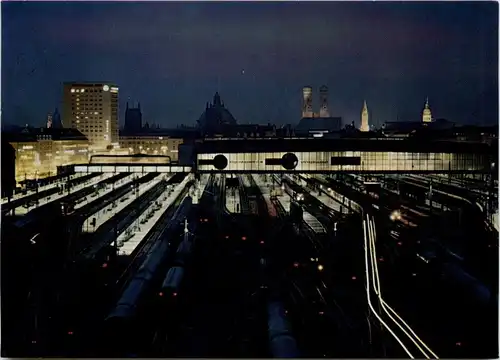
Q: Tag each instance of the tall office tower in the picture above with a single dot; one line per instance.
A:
(49, 120)
(92, 108)
(307, 107)
(323, 96)
(133, 119)
(364, 118)
(426, 114)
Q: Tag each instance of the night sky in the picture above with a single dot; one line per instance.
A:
(172, 57)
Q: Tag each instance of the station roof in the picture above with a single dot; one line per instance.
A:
(311, 145)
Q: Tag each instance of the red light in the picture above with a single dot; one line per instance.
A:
(296, 265)
(174, 294)
(206, 220)
(286, 311)
(400, 243)
(160, 293)
(458, 343)
(70, 332)
(227, 236)
(381, 259)
(353, 278)
(262, 241)
(105, 265)
(33, 341)
(321, 313)
(243, 238)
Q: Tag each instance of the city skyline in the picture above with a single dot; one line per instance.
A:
(444, 51)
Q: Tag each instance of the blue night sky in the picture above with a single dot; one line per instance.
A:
(172, 57)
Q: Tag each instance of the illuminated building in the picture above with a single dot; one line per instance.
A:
(92, 108)
(364, 118)
(307, 106)
(323, 98)
(133, 119)
(151, 143)
(317, 124)
(40, 151)
(426, 114)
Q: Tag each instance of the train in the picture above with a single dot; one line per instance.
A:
(173, 279)
(127, 305)
(282, 344)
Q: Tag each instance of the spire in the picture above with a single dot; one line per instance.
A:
(426, 114)
(364, 118)
(216, 99)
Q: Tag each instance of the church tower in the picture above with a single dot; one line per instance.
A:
(426, 114)
(323, 100)
(307, 107)
(364, 118)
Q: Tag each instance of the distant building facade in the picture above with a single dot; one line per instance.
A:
(39, 151)
(133, 119)
(92, 109)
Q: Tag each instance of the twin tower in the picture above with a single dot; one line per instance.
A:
(307, 105)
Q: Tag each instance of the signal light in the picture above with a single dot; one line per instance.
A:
(381, 259)
(70, 332)
(296, 264)
(400, 243)
(458, 343)
(174, 294)
(105, 265)
(353, 278)
(160, 294)
(227, 236)
(321, 313)
(262, 241)
(33, 341)
(243, 238)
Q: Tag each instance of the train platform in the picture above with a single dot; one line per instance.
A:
(108, 212)
(109, 187)
(21, 210)
(139, 230)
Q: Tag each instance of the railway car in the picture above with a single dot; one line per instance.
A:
(282, 344)
(126, 306)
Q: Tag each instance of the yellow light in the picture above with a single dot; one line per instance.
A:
(320, 267)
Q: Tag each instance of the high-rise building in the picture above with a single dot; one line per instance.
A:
(426, 114)
(364, 118)
(323, 96)
(307, 106)
(92, 108)
(133, 119)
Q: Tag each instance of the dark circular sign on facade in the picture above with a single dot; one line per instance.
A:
(220, 162)
(289, 161)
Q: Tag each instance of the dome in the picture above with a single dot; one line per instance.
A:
(216, 115)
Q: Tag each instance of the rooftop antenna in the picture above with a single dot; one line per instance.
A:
(186, 230)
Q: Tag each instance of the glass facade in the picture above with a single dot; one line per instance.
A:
(132, 168)
(39, 159)
(369, 161)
